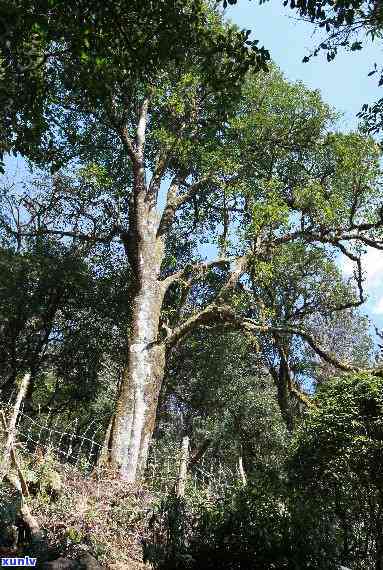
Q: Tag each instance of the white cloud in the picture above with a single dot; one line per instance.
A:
(373, 266)
(346, 266)
(378, 307)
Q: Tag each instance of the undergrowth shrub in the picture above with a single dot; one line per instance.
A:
(78, 513)
(263, 525)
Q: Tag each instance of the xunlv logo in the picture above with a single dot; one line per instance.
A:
(26, 561)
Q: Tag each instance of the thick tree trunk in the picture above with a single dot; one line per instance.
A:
(137, 405)
(134, 420)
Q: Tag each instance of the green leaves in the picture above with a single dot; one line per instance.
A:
(97, 175)
(337, 454)
(96, 50)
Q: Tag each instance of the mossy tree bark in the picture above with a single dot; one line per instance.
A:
(134, 419)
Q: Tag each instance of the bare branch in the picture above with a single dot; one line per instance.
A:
(212, 315)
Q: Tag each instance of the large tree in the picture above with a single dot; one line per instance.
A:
(96, 76)
(179, 156)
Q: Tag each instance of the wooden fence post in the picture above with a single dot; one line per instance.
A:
(183, 467)
(10, 429)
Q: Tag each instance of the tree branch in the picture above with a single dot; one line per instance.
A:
(175, 200)
(171, 204)
(128, 144)
(155, 182)
(198, 268)
(141, 129)
(291, 384)
(240, 264)
(221, 315)
(213, 315)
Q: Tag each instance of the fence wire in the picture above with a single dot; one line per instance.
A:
(83, 450)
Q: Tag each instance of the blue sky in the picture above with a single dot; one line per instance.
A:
(343, 83)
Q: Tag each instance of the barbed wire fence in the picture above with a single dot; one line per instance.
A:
(42, 435)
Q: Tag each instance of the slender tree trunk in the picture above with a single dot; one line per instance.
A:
(10, 428)
(242, 471)
(136, 409)
(183, 468)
